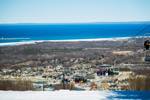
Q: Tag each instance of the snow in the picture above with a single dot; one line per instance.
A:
(54, 95)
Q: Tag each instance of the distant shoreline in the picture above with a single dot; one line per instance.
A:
(70, 40)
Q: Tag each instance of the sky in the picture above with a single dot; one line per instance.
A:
(73, 11)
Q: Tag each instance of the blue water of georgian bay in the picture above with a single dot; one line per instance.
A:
(28, 32)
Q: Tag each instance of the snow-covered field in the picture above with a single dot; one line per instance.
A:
(55, 95)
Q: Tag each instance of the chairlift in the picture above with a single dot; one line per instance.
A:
(147, 50)
(147, 44)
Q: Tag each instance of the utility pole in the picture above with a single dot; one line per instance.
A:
(115, 62)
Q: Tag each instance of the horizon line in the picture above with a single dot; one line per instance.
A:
(74, 22)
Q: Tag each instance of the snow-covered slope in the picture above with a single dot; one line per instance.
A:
(55, 95)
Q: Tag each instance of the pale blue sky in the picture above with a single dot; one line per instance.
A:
(69, 11)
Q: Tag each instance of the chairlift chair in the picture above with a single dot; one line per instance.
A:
(147, 51)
